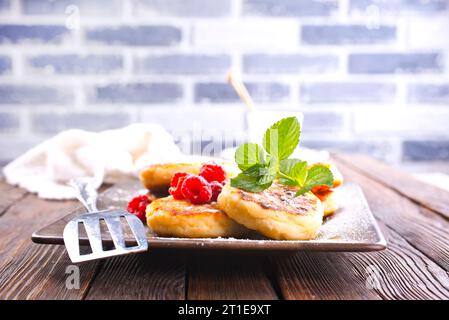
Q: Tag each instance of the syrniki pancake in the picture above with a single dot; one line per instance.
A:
(274, 212)
(157, 177)
(327, 195)
(329, 200)
(180, 218)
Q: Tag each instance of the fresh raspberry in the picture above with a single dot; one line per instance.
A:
(216, 189)
(138, 205)
(176, 177)
(196, 189)
(176, 183)
(213, 172)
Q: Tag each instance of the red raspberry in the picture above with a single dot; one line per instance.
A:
(176, 177)
(138, 205)
(213, 172)
(216, 189)
(176, 183)
(196, 189)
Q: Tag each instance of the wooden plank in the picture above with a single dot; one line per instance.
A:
(24, 217)
(147, 276)
(227, 276)
(320, 276)
(405, 272)
(427, 231)
(400, 272)
(41, 272)
(27, 215)
(31, 271)
(9, 195)
(425, 194)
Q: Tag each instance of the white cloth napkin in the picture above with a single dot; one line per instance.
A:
(106, 156)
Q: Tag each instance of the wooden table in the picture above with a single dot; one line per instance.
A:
(413, 216)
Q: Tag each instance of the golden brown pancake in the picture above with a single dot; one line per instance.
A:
(329, 201)
(326, 194)
(180, 218)
(274, 212)
(157, 177)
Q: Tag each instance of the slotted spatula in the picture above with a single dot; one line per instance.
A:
(87, 195)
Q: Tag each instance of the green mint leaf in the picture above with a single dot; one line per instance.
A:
(317, 175)
(320, 175)
(299, 172)
(264, 173)
(248, 183)
(286, 165)
(256, 170)
(303, 190)
(287, 181)
(269, 172)
(281, 139)
(248, 155)
(292, 172)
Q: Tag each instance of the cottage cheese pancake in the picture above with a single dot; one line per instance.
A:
(157, 177)
(180, 218)
(274, 212)
(329, 200)
(326, 194)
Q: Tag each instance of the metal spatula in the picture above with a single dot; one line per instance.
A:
(87, 194)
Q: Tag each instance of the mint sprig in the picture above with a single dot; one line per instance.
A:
(281, 139)
(248, 155)
(317, 175)
(261, 165)
(308, 177)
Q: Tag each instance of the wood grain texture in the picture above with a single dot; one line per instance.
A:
(424, 230)
(425, 194)
(227, 276)
(148, 276)
(320, 276)
(400, 272)
(25, 216)
(30, 271)
(41, 272)
(9, 195)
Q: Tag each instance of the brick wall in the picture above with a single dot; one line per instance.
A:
(370, 75)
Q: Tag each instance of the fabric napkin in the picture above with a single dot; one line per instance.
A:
(106, 156)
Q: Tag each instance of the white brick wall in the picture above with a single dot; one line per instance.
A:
(372, 76)
(248, 34)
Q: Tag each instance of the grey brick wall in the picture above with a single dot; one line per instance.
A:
(390, 63)
(5, 64)
(294, 64)
(16, 34)
(136, 93)
(347, 34)
(371, 76)
(182, 64)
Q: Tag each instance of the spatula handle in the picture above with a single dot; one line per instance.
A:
(85, 193)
